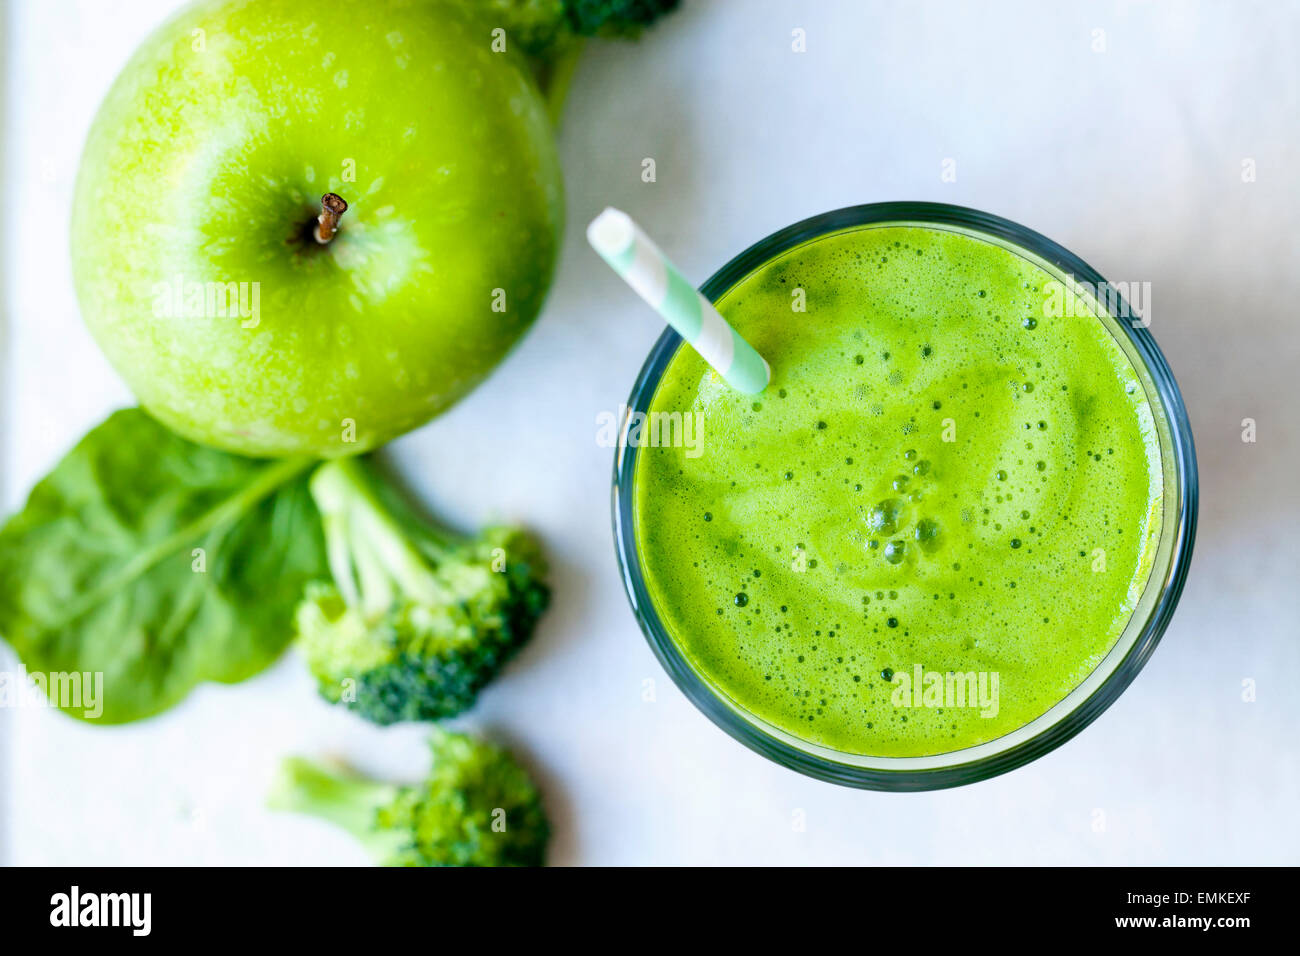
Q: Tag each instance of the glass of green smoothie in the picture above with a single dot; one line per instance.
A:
(948, 533)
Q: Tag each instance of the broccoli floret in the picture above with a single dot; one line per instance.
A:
(416, 620)
(540, 26)
(478, 807)
(551, 32)
(615, 18)
(537, 27)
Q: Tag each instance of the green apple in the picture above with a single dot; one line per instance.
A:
(197, 244)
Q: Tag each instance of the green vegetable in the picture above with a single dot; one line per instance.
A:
(478, 807)
(551, 32)
(200, 189)
(416, 619)
(159, 563)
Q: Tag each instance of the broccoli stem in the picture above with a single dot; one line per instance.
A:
(369, 548)
(556, 80)
(343, 799)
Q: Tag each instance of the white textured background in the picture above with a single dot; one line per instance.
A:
(1130, 157)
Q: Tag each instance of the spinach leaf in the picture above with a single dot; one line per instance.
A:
(158, 562)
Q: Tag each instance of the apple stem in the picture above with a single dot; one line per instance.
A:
(327, 223)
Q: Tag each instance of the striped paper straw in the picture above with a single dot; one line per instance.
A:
(632, 254)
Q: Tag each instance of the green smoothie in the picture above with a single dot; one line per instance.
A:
(949, 474)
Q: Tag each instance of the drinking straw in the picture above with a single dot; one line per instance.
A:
(632, 254)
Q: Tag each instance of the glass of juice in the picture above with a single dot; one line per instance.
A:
(949, 532)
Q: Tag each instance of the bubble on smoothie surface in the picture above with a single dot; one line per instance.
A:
(927, 534)
(883, 517)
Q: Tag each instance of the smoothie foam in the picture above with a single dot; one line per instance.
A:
(945, 471)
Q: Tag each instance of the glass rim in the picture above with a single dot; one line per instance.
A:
(1179, 529)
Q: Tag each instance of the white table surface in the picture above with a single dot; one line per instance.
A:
(1131, 157)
